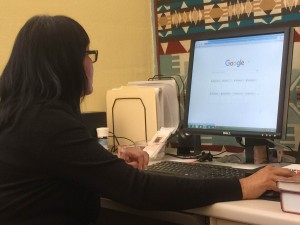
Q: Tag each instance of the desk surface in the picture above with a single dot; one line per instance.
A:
(262, 212)
(257, 212)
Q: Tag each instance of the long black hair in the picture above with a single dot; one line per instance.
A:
(46, 64)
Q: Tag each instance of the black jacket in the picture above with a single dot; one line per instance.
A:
(53, 172)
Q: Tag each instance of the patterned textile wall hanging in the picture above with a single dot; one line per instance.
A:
(177, 21)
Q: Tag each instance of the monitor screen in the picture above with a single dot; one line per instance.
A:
(237, 83)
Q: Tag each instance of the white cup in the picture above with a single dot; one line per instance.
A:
(102, 134)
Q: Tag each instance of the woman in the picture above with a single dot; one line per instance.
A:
(51, 170)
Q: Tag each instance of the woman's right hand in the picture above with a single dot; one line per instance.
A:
(264, 179)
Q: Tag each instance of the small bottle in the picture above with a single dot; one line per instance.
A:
(102, 134)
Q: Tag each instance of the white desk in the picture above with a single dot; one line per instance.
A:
(261, 212)
(258, 212)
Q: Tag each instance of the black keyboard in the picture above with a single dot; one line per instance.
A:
(197, 170)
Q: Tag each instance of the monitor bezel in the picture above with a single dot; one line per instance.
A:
(284, 82)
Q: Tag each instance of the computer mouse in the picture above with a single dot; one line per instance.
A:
(271, 195)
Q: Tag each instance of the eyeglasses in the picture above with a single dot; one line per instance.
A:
(93, 54)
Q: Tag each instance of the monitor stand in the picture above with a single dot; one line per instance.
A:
(298, 155)
(251, 143)
(188, 145)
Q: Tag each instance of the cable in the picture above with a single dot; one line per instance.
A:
(219, 153)
(202, 157)
(114, 148)
(278, 144)
(126, 139)
(184, 157)
(239, 141)
(114, 136)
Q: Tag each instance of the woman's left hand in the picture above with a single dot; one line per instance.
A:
(136, 158)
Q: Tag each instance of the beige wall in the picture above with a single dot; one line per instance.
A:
(120, 30)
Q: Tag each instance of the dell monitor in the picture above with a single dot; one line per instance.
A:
(238, 83)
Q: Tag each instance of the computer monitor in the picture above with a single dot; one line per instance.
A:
(238, 83)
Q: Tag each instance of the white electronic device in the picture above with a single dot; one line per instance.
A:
(158, 142)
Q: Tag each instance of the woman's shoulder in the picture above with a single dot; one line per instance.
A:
(52, 115)
(54, 107)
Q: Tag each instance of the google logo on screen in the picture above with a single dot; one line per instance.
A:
(237, 63)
